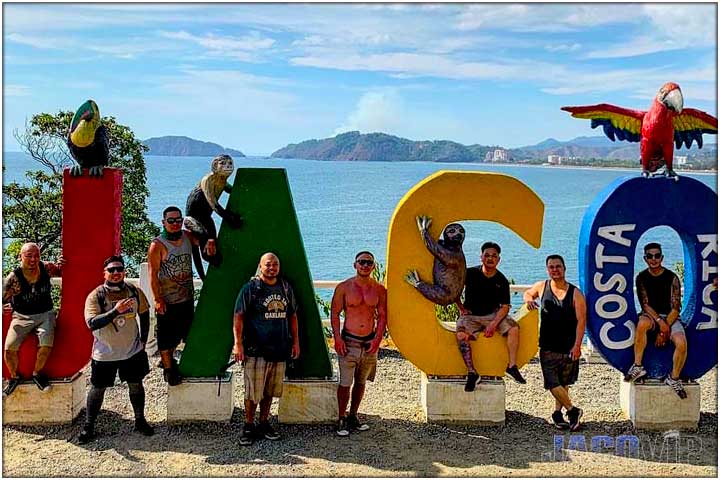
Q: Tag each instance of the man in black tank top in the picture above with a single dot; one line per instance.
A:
(658, 291)
(562, 326)
(26, 294)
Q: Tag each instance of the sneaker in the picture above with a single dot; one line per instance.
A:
(636, 372)
(515, 374)
(574, 415)
(248, 434)
(354, 423)
(342, 427)
(11, 386)
(472, 378)
(677, 386)
(142, 426)
(172, 376)
(42, 382)
(87, 434)
(559, 420)
(265, 430)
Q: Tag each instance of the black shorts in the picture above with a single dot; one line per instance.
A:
(558, 369)
(174, 325)
(132, 370)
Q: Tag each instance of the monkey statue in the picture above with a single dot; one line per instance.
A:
(448, 266)
(201, 202)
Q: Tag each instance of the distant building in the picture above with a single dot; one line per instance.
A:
(555, 159)
(681, 159)
(498, 155)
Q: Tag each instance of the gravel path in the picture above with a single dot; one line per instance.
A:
(399, 443)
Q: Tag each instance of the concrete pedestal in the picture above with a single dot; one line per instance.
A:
(655, 406)
(197, 399)
(444, 400)
(308, 401)
(27, 405)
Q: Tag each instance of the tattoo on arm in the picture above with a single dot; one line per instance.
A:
(675, 295)
(10, 288)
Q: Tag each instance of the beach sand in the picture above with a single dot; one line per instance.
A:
(398, 444)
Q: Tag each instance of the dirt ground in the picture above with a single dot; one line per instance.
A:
(399, 444)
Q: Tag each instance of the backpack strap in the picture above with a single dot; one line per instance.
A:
(101, 295)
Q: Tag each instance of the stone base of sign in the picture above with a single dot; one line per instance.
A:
(308, 401)
(655, 406)
(201, 399)
(444, 400)
(27, 405)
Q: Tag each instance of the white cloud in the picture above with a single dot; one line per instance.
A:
(241, 48)
(376, 111)
(36, 41)
(565, 47)
(16, 91)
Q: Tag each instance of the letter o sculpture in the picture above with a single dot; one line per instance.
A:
(449, 196)
(609, 236)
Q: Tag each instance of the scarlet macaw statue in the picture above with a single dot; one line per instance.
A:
(656, 130)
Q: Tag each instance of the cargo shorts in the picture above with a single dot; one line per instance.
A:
(42, 323)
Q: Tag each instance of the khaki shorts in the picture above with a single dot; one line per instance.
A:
(357, 365)
(262, 378)
(21, 325)
(474, 324)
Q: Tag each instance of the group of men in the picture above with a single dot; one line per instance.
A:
(265, 326)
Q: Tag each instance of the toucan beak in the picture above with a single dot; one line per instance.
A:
(674, 100)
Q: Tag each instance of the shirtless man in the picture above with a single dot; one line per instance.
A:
(364, 303)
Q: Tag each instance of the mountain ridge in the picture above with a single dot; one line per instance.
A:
(181, 146)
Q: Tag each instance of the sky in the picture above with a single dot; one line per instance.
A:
(257, 77)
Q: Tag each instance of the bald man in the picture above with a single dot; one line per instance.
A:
(26, 293)
(265, 327)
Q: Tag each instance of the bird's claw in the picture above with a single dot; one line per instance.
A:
(423, 222)
(412, 278)
(96, 171)
(76, 171)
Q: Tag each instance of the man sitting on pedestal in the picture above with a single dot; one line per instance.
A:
(658, 290)
(26, 293)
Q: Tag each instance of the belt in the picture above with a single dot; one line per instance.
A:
(365, 339)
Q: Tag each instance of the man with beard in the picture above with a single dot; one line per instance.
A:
(112, 312)
(363, 300)
(486, 308)
(265, 328)
(562, 326)
(171, 281)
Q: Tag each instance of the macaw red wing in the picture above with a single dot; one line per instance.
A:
(617, 122)
(690, 125)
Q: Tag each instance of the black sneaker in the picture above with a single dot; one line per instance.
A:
(677, 386)
(11, 386)
(248, 434)
(87, 434)
(559, 420)
(42, 382)
(472, 378)
(355, 424)
(265, 430)
(142, 426)
(515, 374)
(342, 427)
(172, 376)
(574, 415)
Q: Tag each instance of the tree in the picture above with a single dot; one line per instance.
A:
(33, 211)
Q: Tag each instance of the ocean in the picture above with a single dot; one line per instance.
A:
(345, 207)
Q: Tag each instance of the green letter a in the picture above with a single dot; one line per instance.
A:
(262, 196)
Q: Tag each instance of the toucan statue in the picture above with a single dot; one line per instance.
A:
(87, 141)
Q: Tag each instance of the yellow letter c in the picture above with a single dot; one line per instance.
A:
(449, 196)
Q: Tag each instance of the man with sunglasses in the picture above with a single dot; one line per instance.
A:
(26, 293)
(658, 291)
(364, 303)
(171, 280)
(112, 312)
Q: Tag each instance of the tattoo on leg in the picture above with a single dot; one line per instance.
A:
(466, 354)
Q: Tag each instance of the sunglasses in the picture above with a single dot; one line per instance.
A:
(656, 256)
(366, 263)
(115, 269)
(173, 220)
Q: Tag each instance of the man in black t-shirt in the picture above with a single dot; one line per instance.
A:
(265, 327)
(658, 290)
(486, 308)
